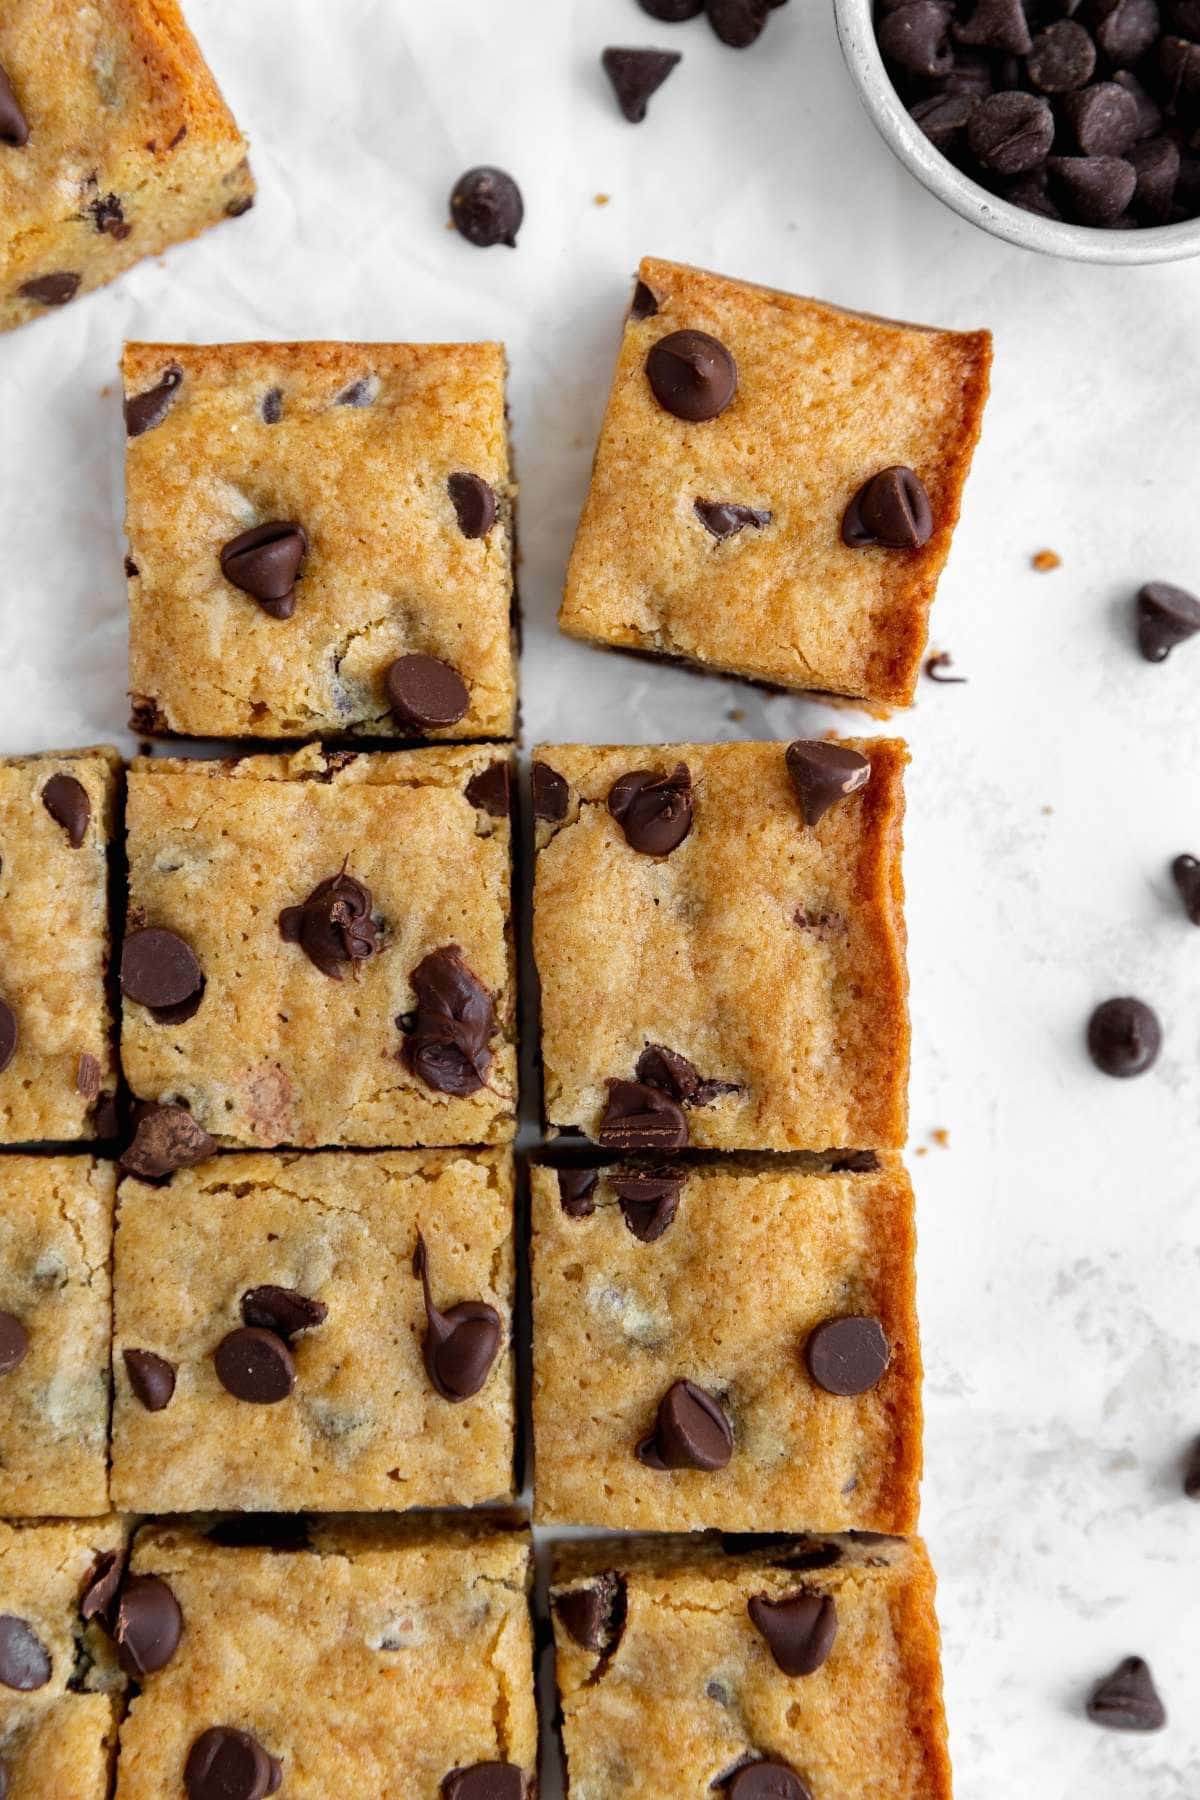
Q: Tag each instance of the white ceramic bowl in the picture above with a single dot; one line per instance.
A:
(1053, 237)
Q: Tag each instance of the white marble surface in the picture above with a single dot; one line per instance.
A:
(1060, 1230)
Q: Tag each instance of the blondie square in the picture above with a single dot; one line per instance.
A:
(384, 1660)
(319, 948)
(730, 1344)
(719, 934)
(56, 1218)
(114, 143)
(320, 540)
(58, 1072)
(776, 485)
(801, 1670)
(305, 1367)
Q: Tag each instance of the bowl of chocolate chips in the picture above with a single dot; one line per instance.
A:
(1067, 126)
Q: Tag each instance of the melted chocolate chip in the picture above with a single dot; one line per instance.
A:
(52, 290)
(491, 790)
(25, 1662)
(1124, 1037)
(485, 1781)
(144, 411)
(848, 1356)
(272, 406)
(14, 126)
(575, 1190)
(487, 208)
(66, 800)
(1185, 872)
(147, 1627)
(691, 375)
(824, 773)
(764, 1780)
(227, 1764)
(648, 1201)
(594, 1615)
(425, 694)
(474, 504)
(160, 970)
(151, 1377)
(640, 1117)
(447, 1043)
(799, 1629)
(167, 1138)
(644, 304)
(8, 1034)
(255, 1365)
(14, 1343)
(1166, 616)
(891, 509)
(551, 795)
(333, 926)
(100, 1590)
(690, 1431)
(654, 811)
(282, 1310)
(1127, 1700)
(460, 1344)
(359, 393)
(264, 562)
(725, 518)
(636, 75)
(675, 1075)
(108, 216)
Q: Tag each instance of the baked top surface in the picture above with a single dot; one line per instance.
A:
(388, 571)
(825, 400)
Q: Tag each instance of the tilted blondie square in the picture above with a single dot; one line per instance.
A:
(319, 948)
(275, 1347)
(114, 144)
(776, 486)
(320, 540)
(800, 1670)
(56, 1219)
(379, 1658)
(58, 1066)
(719, 934)
(729, 1344)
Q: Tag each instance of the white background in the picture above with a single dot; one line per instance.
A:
(1060, 1230)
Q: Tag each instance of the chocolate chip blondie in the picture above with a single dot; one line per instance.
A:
(776, 486)
(719, 934)
(801, 1669)
(360, 1659)
(114, 144)
(785, 1387)
(329, 1331)
(320, 540)
(319, 948)
(58, 1072)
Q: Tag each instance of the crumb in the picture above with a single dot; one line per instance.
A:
(941, 1137)
(601, 199)
(1045, 560)
(921, 1150)
(941, 659)
(106, 390)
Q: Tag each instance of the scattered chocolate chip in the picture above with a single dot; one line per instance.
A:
(227, 1764)
(474, 502)
(144, 411)
(51, 290)
(691, 1431)
(447, 1043)
(255, 1365)
(147, 1627)
(944, 118)
(282, 1310)
(551, 795)
(672, 12)
(167, 1138)
(1127, 30)
(1191, 1472)
(1185, 872)
(131, 569)
(272, 406)
(639, 1117)
(425, 693)
(763, 1780)
(654, 811)
(487, 208)
(460, 1344)
(8, 1034)
(359, 393)
(24, 1660)
(151, 1377)
(66, 800)
(108, 216)
(1011, 132)
(575, 1190)
(1063, 57)
(87, 1076)
(1124, 1037)
(675, 1075)
(1149, 116)
(725, 518)
(648, 1201)
(823, 774)
(939, 661)
(799, 1629)
(14, 127)
(644, 304)
(691, 375)
(1156, 165)
(333, 926)
(14, 1343)
(891, 509)
(594, 1615)
(848, 1356)
(1103, 117)
(491, 790)
(997, 25)
(1127, 1700)
(636, 75)
(264, 562)
(1095, 189)
(159, 970)
(914, 37)
(485, 1781)
(98, 1599)
(1166, 616)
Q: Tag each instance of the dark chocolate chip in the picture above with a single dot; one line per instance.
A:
(799, 1629)
(1179, 60)
(66, 800)
(1185, 872)
(1149, 116)
(108, 216)
(765, 1780)
(1103, 117)
(551, 795)
(936, 666)
(848, 1356)
(485, 1781)
(14, 126)
(575, 1190)
(255, 1365)
(823, 773)
(333, 926)
(100, 1590)
(1156, 165)
(644, 304)
(460, 1344)
(491, 790)
(282, 1310)
(737, 23)
(1127, 1700)
(654, 811)
(264, 562)
(151, 1377)
(87, 1076)
(725, 518)
(8, 1034)
(272, 406)
(638, 1117)
(1166, 616)
(24, 1660)
(227, 1764)
(147, 1627)
(144, 411)
(594, 1615)
(892, 509)
(648, 1201)
(691, 375)
(51, 290)
(359, 393)
(1124, 1037)
(487, 208)
(690, 1431)
(672, 12)
(914, 37)
(1127, 30)
(1011, 132)
(236, 208)
(972, 76)
(944, 117)
(425, 693)
(14, 1343)
(997, 25)
(1096, 190)
(1184, 16)
(675, 1075)
(131, 569)
(1191, 1472)
(105, 1116)
(474, 502)
(167, 1138)
(1032, 193)
(1063, 57)
(159, 969)
(447, 1041)
(636, 75)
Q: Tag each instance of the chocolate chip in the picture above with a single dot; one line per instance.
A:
(147, 1627)
(1032, 193)
(997, 25)
(485, 1781)
(227, 1764)
(551, 795)
(644, 304)
(1127, 1700)
(1166, 616)
(675, 1075)
(1127, 30)
(738, 23)
(14, 127)
(725, 518)
(487, 208)
(98, 1599)
(151, 1377)
(272, 406)
(333, 926)
(672, 12)
(1096, 190)
(8, 1034)
(24, 1660)
(1149, 116)
(236, 208)
(654, 811)
(936, 666)
(575, 1190)
(1103, 117)
(105, 1116)
(159, 969)
(848, 1356)
(282, 1310)
(944, 117)
(87, 1076)
(144, 411)
(491, 790)
(359, 393)
(1184, 16)
(914, 38)
(1191, 1472)
(636, 75)
(690, 1431)
(14, 1343)
(691, 375)
(1185, 872)
(648, 1201)
(51, 290)
(1156, 165)
(765, 1780)
(474, 504)
(823, 774)
(460, 1344)
(594, 1615)
(1179, 60)
(638, 1117)
(108, 216)
(799, 1629)
(1124, 1037)
(1063, 57)
(447, 1043)
(425, 693)
(1011, 132)
(255, 1365)
(167, 1138)
(892, 509)
(66, 800)
(264, 562)
(973, 76)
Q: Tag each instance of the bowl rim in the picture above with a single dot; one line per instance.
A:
(1030, 231)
